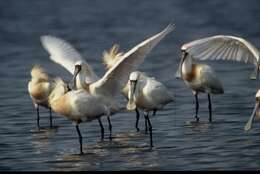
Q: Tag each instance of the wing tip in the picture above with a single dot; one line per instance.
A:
(170, 27)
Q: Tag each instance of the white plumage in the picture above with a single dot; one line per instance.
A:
(222, 47)
(199, 78)
(76, 105)
(255, 113)
(116, 77)
(147, 94)
(112, 82)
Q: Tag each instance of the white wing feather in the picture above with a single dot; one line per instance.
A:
(62, 52)
(221, 47)
(117, 75)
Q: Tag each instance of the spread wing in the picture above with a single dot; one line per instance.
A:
(221, 47)
(118, 74)
(63, 53)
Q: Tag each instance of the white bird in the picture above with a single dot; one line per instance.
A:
(66, 55)
(256, 112)
(200, 78)
(147, 94)
(39, 88)
(76, 105)
(113, 80)
(109, 59)
(222, 47)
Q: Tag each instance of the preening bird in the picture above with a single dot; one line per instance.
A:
(222, 47)
(39, 87)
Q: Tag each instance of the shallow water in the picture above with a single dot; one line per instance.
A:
(92, 27)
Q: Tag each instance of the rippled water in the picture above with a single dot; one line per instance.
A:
(92, 27)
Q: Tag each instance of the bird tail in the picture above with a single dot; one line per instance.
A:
(111, 56)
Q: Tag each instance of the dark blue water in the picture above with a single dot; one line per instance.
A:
(94, 26)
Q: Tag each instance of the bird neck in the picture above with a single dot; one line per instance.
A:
(187, 66)
(81, 81)
(188, 70)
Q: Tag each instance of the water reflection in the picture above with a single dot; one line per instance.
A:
(41, 139)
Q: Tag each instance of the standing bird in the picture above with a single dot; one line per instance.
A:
(39, 87)
(114, 79)
(76, 105)
(109, 59)
(147, 94)
(200, 78)
(65, 54)
(256, 112)
(222, 47)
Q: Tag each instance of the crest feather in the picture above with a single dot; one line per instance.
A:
(39, 72)
(111, 56)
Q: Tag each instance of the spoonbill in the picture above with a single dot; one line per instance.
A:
(223, 47)
(39, 88)
(109, 59)
(147, 94)
(62, 51)
(113, 80)
(200, 78)
(256, 112)
(76, 105)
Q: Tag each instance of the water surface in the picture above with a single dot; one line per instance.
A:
(94, 26)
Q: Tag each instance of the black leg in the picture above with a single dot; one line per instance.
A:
(80, 138)
(197, 107)
(50, 118)
(150, 128)
(102, 129)
(146, 127)
(110, 128)
(154, 112)
(137, 119)
(210, 110)
(38, 116)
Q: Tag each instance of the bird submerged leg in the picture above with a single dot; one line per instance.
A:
(146, 127)
(38, 116)
(50, 117)
(102, 129)
(154, 112)
(146, 115)
(80, 138)
(109, 127)
(197, 107)
(210, 110)
(137, 119)
(249, 123)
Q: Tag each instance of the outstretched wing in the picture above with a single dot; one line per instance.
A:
(221, 47)
(117, 75)
(62, 52)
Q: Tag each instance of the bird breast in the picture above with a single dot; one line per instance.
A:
(189, 74)
(39, 91)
